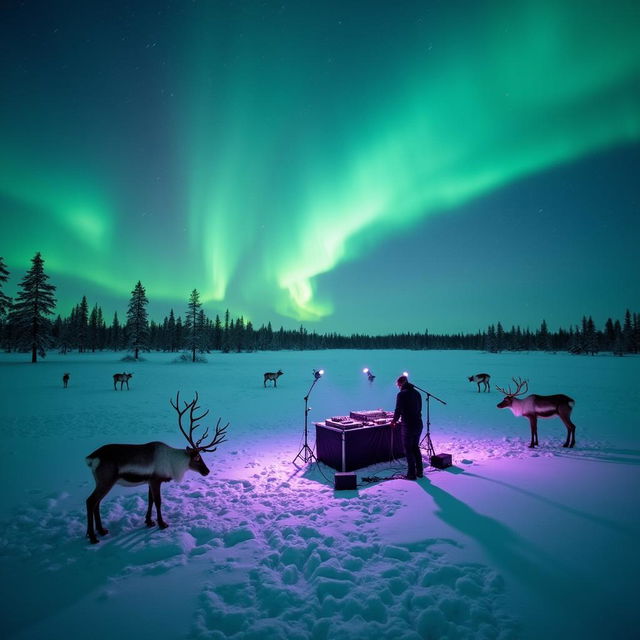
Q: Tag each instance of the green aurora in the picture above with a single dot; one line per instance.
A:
(247, 149)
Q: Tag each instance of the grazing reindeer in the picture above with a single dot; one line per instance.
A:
(152, 463)
(121, 378)
(65, 380)
(272, 376)
(481, 378)
(535, 406)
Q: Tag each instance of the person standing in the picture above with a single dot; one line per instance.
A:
(409, 413)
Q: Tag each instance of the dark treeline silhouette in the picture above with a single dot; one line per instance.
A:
(85, 329)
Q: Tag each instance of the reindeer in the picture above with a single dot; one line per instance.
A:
(121, 378)
(481, 378)
(65, 380)
(535, 406)
(272, 376)
(152, 463)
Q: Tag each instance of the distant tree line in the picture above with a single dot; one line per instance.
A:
(26, 325)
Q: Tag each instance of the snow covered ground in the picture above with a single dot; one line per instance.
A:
(509, 543)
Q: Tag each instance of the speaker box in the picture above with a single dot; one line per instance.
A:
(345, 481)
(441, 460)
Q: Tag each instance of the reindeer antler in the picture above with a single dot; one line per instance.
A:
(192, 407)
(219, 437)
(520, 383)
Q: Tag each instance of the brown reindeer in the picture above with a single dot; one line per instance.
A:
(152, 463)
(122, 378)
(535, 406)
(481, 378)
(272, 376)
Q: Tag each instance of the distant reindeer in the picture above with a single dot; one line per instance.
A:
(481, 378)
(535, 406)
(272, 376)
(65, 380)
(152, 463)
(122, 378)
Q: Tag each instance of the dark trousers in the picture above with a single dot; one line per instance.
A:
(411, 441)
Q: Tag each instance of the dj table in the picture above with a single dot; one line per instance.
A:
(358, 440)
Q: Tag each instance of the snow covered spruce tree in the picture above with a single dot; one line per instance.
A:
(137, 320)
(28, 317)
(195, 324)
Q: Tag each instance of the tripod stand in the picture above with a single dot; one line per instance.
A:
(426, 443)
(306, 452)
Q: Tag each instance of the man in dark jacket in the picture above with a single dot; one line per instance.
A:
(409, 411)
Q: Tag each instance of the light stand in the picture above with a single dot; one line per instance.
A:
(306, 452)
(426, 443)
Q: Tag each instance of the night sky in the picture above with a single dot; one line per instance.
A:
(353, 166)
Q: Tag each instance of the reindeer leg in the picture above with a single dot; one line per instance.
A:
(571, 430)
(154, 488)
(533, 423)
(148, 520)
(101, 530)
(93, 510)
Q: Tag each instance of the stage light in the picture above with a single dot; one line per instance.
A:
(369, 374)
(317, 373)
(405, 374)
(365, 370)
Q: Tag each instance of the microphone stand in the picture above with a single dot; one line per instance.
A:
(306, 452)
(426, 441)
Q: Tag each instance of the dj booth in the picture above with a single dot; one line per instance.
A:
(358, 440)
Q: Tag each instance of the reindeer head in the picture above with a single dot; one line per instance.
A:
(522, 388)
(196, 463)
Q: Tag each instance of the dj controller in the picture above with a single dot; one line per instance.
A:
(357, 419)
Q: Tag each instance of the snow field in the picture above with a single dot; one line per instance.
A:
(260, 548)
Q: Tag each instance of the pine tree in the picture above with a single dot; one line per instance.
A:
(618, 342)
(225, 333)
(115, 341)
(500, 338)
(627, 333)
(544, 340)
(171, 333)
(28, 317)
(217, 334)
(192, 325)
(93, 328)
(179, 333)
(609, 335)
(202, 327)
(591, 337)
(137, 322)
(82, 324)
(5, 301)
